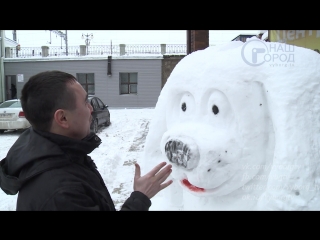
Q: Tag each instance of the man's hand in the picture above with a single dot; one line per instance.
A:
(152, 183)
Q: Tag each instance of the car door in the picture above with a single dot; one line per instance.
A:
(96, 110)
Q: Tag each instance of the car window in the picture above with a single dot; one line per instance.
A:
(101, 105)
(94, 104)
(10, 104)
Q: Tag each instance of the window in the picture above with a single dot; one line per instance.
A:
(100, 103)
(87, 82)
(10, 104)
(94, 104)
(128, 83)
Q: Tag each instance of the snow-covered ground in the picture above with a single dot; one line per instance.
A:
(122, 145)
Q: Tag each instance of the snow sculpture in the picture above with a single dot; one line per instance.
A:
(240, 125)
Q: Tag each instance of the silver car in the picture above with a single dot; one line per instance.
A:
(12, 116)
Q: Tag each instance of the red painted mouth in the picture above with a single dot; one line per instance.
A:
(191, 187)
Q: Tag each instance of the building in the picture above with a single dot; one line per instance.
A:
(4, 42)
(120, 81)
(243, 37)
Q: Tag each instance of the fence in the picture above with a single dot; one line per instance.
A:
(96, 50)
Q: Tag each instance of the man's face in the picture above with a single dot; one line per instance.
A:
(80, 118)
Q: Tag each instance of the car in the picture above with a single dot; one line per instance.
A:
(12, 116)
(100, 113)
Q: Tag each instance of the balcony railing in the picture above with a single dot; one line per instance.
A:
(97, 50)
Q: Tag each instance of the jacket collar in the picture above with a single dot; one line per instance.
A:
(74, 146)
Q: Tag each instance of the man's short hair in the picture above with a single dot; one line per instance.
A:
(43, 94)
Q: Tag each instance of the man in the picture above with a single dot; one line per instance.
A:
(49, 164)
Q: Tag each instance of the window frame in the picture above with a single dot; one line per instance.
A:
(128, 84)
(87, 84)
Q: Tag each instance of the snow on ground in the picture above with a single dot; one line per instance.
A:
(122, 145)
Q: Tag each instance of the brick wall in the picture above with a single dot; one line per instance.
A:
(168, 64)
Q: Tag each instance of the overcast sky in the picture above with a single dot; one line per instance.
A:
(34, 38)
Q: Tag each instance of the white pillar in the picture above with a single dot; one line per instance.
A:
(122, 49)
(45, 51)
(8, 52)
(83, 50)
(163, 49)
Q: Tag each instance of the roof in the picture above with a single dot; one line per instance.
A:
(9, 43)
(243, 36)
(83, 58)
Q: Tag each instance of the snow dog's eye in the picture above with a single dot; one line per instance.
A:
(215, 109)
(184, 107)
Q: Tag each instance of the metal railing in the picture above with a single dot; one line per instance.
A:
(96, 50)
(142, 49)
(103, 50)
(176, 48)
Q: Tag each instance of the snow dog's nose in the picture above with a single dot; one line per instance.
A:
(182, 154)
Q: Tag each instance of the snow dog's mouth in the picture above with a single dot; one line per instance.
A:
(184, 183)
(189, 186)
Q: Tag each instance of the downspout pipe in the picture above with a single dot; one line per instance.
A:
(2, 49)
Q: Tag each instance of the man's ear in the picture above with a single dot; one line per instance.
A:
(60, 118)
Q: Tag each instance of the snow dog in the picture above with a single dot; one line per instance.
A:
(241, 131)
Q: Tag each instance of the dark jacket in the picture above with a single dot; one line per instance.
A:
(54, 173)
